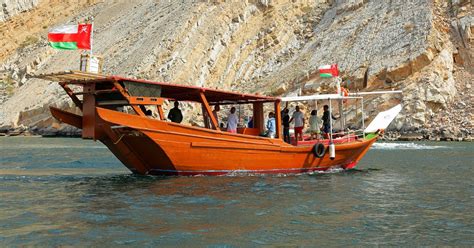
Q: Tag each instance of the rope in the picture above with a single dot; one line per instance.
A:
(121, 136)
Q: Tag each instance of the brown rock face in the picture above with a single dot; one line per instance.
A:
(421, 46)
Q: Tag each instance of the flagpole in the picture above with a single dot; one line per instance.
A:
(92, 38)
(338, 85)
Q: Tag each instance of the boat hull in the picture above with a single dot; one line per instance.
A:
(148, 146)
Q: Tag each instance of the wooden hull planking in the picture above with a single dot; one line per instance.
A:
(148, 146)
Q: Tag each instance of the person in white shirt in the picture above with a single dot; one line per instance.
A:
(314, 125)
(271, 126)
(232, 121)
(298, 117)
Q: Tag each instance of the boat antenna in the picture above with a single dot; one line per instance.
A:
(332, 149)
(338, 84)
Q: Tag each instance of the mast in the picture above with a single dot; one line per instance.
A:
(362, 114)
(92, 38)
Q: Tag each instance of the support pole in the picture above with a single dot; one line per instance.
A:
(341, 119)
(278, 120)
(362, 114)
(205, 104)
(240, 110)
(332, 148)
(338, 85)
(125, 94)
(160, 112)
(92, 39)
(71, 94)
(258, 119)
(330, 121)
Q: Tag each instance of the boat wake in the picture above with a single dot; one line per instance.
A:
(328, 171)
(253, 174)
(404, 146)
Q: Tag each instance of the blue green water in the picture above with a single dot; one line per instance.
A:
(71, 192)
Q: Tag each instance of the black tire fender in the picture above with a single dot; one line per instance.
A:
(319, 150)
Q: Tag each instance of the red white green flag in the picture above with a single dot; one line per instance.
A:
(327, 71)
(71, 37)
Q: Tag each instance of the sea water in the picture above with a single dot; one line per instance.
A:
(72, 192)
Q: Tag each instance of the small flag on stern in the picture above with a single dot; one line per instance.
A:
(71, 37)
(328, 71)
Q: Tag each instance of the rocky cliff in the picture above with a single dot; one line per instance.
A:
(273, 47)
(11, 8)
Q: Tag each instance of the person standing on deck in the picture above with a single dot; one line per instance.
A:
(232, 121)
(298, 117)
(175, 114)
(271, 128)
(215, 114)
(314, 125)
(326, 122)
(286, 125)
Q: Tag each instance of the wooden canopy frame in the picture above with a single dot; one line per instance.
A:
(171, 91)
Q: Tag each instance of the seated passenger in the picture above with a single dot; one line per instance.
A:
(147, 112)
(250, 123)
(175, 114)
(271, 128)
(232, 121)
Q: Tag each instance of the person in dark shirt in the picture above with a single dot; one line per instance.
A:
(250, 123)
(326, 121)
(286, 125)
(175, 114)
(147, 112)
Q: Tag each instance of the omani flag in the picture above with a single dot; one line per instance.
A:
(71, 37)
(328, 71)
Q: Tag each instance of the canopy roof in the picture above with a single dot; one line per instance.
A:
(356, 95)
(317, 97)
(172, 91)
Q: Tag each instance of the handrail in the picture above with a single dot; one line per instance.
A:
(357, 133)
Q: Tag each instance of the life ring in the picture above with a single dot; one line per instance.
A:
(319, 150)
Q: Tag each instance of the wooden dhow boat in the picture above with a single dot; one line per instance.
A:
(156, 146)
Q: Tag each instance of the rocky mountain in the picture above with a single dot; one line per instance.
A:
(423, 47)
(12, 8)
